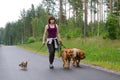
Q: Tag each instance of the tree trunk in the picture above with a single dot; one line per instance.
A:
(91, 11)
(61, 12)
(65, 9)
(69, 10)
(101, 10)
(91, 14)
(111, 6)
(95, 11)
(94, 18)
(47, 9)
(85, 23)
(98, 17)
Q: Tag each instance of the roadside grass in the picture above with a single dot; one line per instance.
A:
(35, 47)
(99, 52)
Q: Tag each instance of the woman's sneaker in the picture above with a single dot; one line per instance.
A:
(51, 66)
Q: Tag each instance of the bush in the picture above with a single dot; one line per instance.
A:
(31, 40)
(112, 27)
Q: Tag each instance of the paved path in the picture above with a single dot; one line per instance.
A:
(11, 56)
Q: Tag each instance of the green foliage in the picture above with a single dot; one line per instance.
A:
(31, 40)
(2, 35)
(31, 23)
(118, 28)
(73, 33)
(39, 23)
(70, 30)
(112, 24)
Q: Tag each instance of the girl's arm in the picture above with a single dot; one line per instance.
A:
(58, 33)
(44, 34)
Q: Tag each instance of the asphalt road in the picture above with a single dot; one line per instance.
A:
(38, 68)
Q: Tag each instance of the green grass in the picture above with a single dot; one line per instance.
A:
(104, 53)
(35, 47)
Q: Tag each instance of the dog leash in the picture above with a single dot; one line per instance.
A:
(63, 46)
(60, 48)
(35, 53)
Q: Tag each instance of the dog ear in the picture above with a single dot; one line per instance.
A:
(66, 51)
(82, 54)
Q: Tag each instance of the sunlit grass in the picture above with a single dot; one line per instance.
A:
(104, 53)
(36, 47)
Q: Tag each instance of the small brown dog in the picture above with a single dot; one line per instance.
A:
(66, 57)
(77, 56)
(23, 64)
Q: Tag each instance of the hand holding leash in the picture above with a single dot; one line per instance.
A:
(43, 43)
(62, 44)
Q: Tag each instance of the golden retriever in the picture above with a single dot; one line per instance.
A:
(77, 55)
(66, 57)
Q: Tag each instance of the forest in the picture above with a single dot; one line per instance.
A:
(76, 19)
